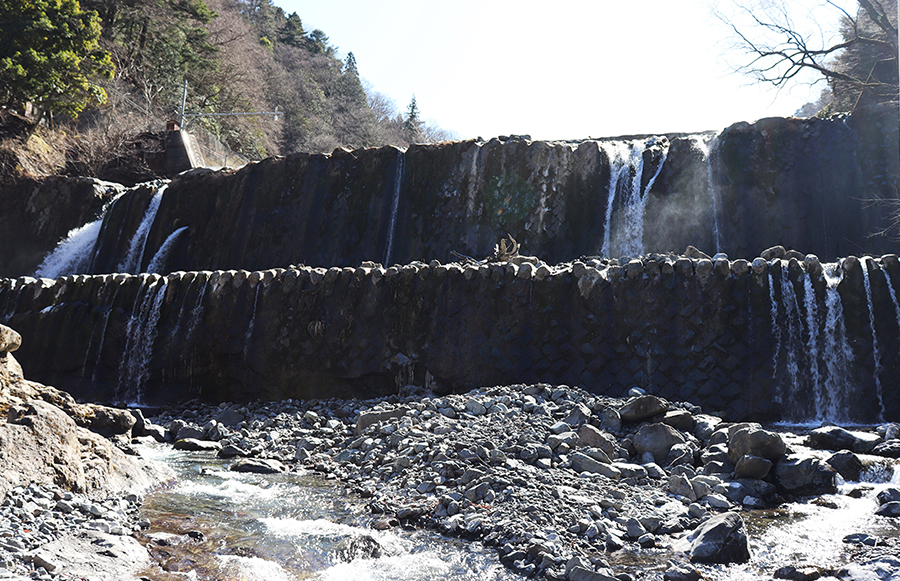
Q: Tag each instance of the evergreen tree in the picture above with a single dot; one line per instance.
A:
(292, 33)
(50, 56)
(350, 65)
(412, 125)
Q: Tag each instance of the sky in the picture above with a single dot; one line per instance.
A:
(561, 69)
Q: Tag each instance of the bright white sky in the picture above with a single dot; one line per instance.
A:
(561, 69)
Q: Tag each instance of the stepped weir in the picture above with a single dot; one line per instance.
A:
(265, 281)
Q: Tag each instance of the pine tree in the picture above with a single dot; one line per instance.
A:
(350, 65)
(412, 125)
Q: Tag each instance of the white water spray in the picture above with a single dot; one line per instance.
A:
(73, 255)
(833, 404)
(132, 262)
(794, 339)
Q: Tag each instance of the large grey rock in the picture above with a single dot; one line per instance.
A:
(805, 476)
(580, 573)
(591, 437)
(258, 466)
(657, 439)
(9, 340)
(371, 417)
(641, 408)
(721, 539)
(756, 442)
(750, 466)
(847, 464)
(584, 463)
(836, 438)
(194, 445)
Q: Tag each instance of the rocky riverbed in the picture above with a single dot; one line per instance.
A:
(568, 485)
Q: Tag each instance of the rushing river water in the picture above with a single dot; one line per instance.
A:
(298, 526)
(289, 526)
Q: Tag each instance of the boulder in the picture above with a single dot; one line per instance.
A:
(889, 494)
(756, 442)
(591, 437)
(805, 476)
(891, 509)
(889, 449)
(258, 466)
(657, 439)
(371, 417)
(194, 445)
(750, 466)
(9, 341)
(836, 438)
(847, 464)
(721, 539)
(358, 547)
(642, 407)
(584, 463)
(680, 420)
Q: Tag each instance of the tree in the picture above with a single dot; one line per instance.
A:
(50, 56)
(412, 125)
(860, 65)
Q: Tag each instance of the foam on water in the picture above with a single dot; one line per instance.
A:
(253, 568)
(159, 259)
(133, 259)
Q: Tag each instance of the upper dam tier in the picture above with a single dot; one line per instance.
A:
(822, 186)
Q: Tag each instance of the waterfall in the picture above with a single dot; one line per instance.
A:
(794, 338)
(618, 153)
(836, 353)
(876, 353)
(893, 293)
(196, 312)
(74, 254)
(132, 262)
(395, 204)
(140, 336)
(158, 262)
(627, 158)
(812, 339)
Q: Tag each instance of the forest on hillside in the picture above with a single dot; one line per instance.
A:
(234, 55)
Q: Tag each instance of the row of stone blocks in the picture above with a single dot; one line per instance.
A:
(696, 328)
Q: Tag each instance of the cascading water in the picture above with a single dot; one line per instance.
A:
(141, 334)
(876, 352)
(794, 338)
(105, 323)
(833, 404)
(74, 254)
(158, 262)
(812, 339)
(893, 293)
(133, 259)
(395, 204)
(625, 234)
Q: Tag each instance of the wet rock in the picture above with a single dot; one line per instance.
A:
(194, 445)
(805, 476)
(889, 494)
(847, 464)
(358, 547)
(721, 539)
(657, 439)
(681, 572)
(231, 451)
(891, 509)
(889, 449)
(749, 466)
(258, 466)
(882, 568)
(836, 438)
(798, 574)
(641, 408)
